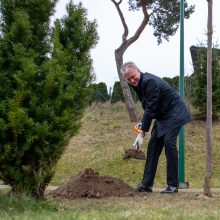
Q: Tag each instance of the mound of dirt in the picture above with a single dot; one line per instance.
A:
(132, 153)
(88, 184)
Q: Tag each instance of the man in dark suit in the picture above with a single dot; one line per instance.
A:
(162, 103)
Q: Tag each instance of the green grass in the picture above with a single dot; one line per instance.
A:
(100, 144)
(13, 207)
(151, 206)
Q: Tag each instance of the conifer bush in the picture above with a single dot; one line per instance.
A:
(44, 76)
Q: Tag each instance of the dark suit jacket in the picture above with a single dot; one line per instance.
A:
(160, 102)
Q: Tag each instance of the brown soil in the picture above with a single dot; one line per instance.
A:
(132, 153)
(88, 184)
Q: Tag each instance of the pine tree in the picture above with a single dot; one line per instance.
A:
(200, 82)
(163, 16)
(43, 88)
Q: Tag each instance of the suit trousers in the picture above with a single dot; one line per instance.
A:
(155, 147)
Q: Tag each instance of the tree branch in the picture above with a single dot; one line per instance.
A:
(125, 34)
(142, 25)
(127, 42)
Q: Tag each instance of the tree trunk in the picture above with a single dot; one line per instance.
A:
(38, 192)
(125, 88)
(208, 171)
(120, 52)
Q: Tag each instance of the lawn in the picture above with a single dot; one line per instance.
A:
(183, 205)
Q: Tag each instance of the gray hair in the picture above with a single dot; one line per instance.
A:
(128, 65)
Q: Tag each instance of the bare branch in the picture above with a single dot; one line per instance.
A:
(125, 34)
(142, 25)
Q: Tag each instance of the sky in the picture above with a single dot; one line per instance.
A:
(162, 60)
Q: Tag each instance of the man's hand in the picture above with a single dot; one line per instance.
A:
(137, 128)
(138, 125)
(139, 141)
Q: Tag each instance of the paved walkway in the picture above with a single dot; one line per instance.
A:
(214, 190)
(2, 186)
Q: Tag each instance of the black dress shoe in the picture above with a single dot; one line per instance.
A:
(142, 188)
(170, 189)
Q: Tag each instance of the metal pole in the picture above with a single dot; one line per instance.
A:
(182, 183)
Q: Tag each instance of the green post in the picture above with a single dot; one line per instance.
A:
(182, 183)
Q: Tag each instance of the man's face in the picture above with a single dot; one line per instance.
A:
(132, 76)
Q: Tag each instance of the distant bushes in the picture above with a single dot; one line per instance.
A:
(194, 88)
(99, 93)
